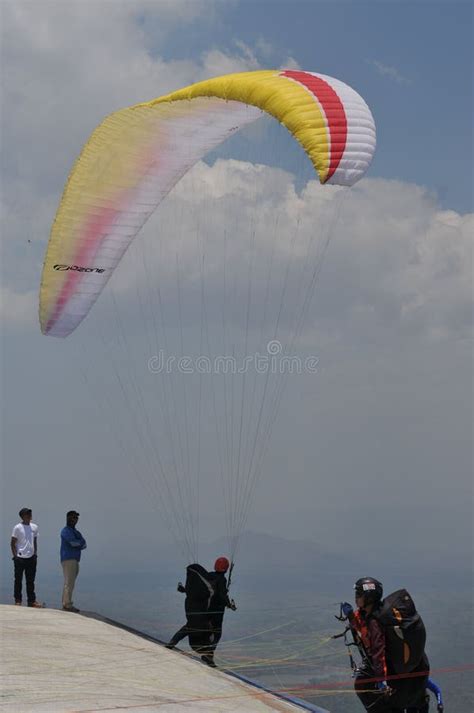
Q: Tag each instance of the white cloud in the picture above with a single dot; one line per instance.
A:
(397, 261)
(264, 47)
(18, 310)
(386, 70)
(403, 268)
(397, 267)
(66, 66)
(70, 64)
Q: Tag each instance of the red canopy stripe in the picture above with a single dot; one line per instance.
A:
(333, 109)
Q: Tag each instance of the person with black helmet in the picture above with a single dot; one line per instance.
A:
(24, 548)
(377, 686)
(370, 638)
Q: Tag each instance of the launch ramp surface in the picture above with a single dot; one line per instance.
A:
(58, 661)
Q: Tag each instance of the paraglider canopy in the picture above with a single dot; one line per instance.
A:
(134, 158)
(222, 276)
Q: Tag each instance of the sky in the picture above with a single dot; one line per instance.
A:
(372, 452)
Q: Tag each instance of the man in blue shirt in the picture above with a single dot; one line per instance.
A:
(72, 544)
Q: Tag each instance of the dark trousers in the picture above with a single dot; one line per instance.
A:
(180, 635)
(197, 631)
(28, 567)
(216, 619)
(407, 692)
(425, 708)
(369, 696)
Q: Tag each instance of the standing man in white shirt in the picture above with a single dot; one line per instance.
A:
(24, 547)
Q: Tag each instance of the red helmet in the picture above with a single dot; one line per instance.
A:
(221, 564)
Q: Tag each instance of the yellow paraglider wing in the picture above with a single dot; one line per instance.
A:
(136, 155)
